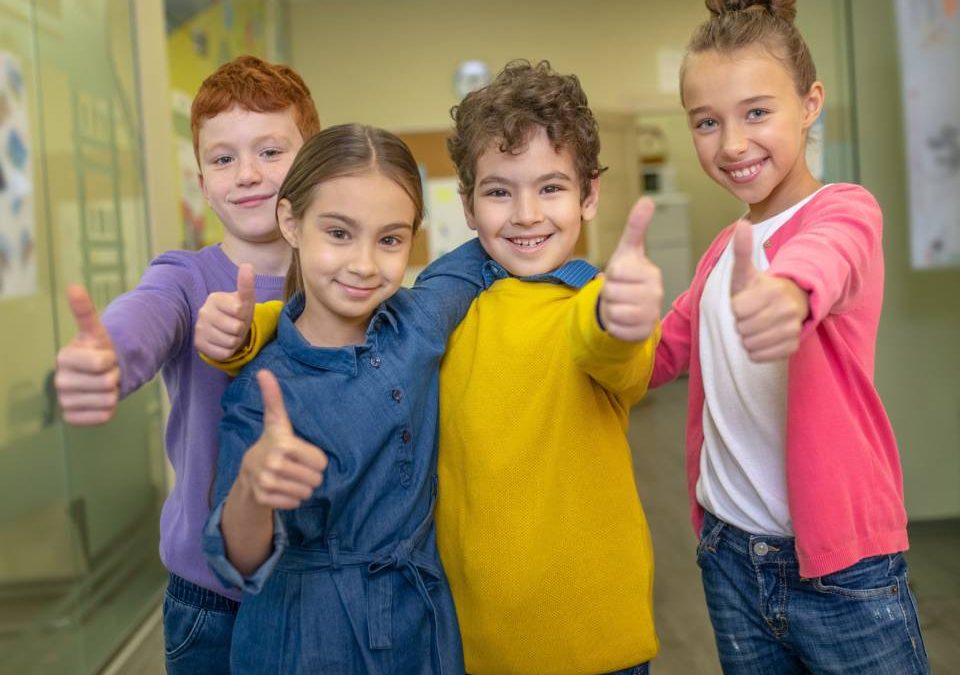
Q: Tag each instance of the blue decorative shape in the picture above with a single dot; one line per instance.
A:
(14, 78)
(16, 150)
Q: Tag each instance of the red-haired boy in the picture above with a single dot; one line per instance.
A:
(249, 118)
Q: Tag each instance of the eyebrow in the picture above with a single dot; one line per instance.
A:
(746, 101)
(220, 146)
(553, 175)
(350, 222)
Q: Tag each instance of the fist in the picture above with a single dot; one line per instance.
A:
(223, 322)
(87, 377)
(633, 288)
(281, 470)
(769, 311)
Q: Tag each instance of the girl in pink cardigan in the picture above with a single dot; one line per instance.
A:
(792, 467)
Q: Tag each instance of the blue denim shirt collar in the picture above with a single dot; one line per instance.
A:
(574, 273)
(338, 359)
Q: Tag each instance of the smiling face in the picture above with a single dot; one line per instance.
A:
(244, 157)
(354, 241)
(527, 209)
(750, 125)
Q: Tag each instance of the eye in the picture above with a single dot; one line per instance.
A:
(221, 160)
(391, 241)
(338, 233)
(553, 188)
(756, 113)
(706, 124)
(498, 193)
(271, 153)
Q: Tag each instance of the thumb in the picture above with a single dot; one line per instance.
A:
(743, 269)
(246, 280)
(274, 411)
(635, 232)
(89, 329)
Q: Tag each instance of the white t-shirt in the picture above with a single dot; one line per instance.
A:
(742, 463)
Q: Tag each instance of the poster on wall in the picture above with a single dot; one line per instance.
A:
(445, 221)
(18, 260)
(929, 32)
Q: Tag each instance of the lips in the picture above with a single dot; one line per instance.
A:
(357, 292)
(528, 243)
(251, 201)
(744, 172)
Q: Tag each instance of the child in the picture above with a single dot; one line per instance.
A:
(343, 577)
(540, 529)
(249, 118)
(793, 472)
(539, 526)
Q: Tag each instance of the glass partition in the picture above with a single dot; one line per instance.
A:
(79, 508)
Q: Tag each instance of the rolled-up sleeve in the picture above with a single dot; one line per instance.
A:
(214, 548)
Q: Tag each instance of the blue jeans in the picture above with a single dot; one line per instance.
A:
(642, 669)
(197, 626)
(767, 619)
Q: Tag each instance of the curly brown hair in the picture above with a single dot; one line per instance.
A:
(258, 86)
(507, 111)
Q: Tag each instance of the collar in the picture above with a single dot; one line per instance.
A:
(574, 273)
(338, 359)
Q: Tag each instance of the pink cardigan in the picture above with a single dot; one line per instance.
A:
(844, 483)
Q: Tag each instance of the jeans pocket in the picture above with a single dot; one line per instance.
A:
(868, 579)
(709, 535)
(182, 624)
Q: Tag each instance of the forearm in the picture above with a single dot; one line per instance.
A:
(621, 367)
(247, 529)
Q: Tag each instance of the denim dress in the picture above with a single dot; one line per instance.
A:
(354, 582)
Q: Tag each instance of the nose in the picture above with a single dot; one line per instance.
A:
(526, 209)
(734, 141)
(363, 264)
(248, 171)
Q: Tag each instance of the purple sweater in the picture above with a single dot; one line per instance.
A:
(152, 331)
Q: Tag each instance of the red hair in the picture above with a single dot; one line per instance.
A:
(255, 85)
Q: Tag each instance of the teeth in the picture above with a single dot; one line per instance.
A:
(744, 173)
(528, 243)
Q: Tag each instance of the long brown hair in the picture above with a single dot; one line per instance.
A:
(346, 150)
(737, 24)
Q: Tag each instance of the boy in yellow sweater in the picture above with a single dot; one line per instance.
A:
(539, 526)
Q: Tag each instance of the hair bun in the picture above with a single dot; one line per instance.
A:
(783, 9)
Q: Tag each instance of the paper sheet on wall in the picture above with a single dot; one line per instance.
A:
(18, 259)
(445, 222)
(930, 61)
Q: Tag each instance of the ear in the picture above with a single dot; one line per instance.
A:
(289, 227)
(590, 203)
(468, 212)
(812, 104)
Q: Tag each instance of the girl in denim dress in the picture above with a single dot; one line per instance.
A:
(323, 505)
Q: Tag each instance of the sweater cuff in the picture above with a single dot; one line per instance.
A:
(263, 329)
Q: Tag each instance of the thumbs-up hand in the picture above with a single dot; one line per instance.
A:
(280, 470)
(632, 288)
(769, 311)
(88, 377)
(223, 322)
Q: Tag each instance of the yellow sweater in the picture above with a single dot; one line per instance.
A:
(539, 525)
(541, 533)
